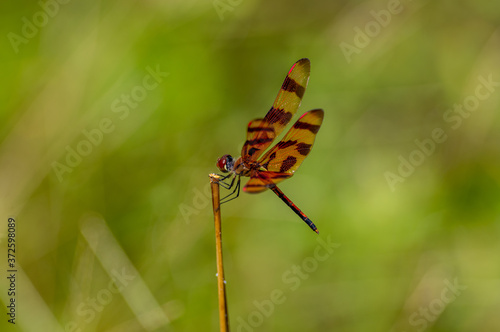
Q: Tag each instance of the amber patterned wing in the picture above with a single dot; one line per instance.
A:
(290, 152)
(282, 160)
(290, 95)
(259, 136)
(263, 180)
(286, 104)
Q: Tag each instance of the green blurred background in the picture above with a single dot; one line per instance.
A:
(121, 237)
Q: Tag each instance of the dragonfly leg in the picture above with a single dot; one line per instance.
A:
(225, 184)
(235, 191)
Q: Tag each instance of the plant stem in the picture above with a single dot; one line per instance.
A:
(221, 282)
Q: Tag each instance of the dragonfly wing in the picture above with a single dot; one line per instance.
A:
(259, 136)
(263, 180)
(290, 95)
(262, 132)
(290, 152)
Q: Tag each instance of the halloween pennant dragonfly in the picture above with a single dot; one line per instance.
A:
(282, 160)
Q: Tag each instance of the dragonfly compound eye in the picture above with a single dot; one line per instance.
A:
(222, 163)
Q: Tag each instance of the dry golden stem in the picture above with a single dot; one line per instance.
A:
(221, 284)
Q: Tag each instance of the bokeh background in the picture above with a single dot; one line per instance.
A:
(120, 237)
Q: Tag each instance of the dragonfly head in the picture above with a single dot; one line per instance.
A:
(225, 163)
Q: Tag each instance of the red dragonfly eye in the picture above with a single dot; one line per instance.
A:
(222, 163)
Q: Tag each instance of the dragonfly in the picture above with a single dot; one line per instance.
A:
(279, 163)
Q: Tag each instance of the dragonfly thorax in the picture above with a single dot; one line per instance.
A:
(225, 163)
